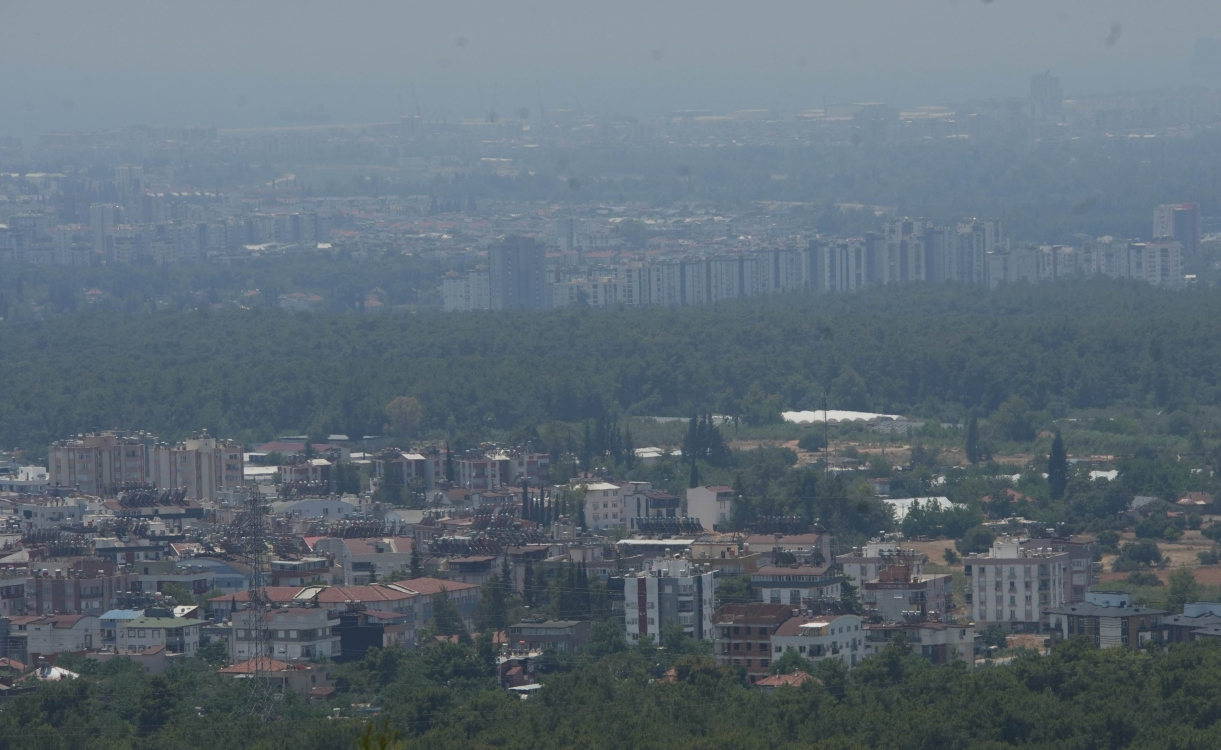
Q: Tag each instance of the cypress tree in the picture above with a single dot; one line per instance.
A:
(695, 475)
(1057, 469)
(972, 448)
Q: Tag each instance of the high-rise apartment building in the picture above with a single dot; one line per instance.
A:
(518, 274)
(97, 463)
(669, 591)
(1179, 221)
(202, 466)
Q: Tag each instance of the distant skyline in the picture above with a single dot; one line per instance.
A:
(74, 65)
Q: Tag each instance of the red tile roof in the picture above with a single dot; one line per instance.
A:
(428, 586)
(796, 679)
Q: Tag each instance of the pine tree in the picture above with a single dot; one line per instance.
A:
(973, 440)
(1057, 469)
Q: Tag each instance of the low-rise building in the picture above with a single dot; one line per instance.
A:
(559, 636)
(1191, 624)
(312, 681)
(898, 593)
(293, 634)
(605, 506)
(1108, 619)
(939, 642)
(794, 585)
(712, 505)
(865, 563)
(817, 638)
(55, 634)
(744, 635)
(159, 629)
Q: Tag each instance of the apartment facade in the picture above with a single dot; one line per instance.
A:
(712, 505)
(98, 463)
(202, 466)
(1015, 587)
(670, 590)
(796, 584)
(744, 635)
(818, 638)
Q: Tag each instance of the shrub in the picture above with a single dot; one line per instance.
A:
(1143, 578)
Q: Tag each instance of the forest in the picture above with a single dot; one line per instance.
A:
(935, 351)
(614, 696)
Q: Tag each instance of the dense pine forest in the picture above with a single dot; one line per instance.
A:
(931, 350)
(445, 697)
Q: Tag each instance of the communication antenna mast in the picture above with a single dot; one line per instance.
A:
(252, 531)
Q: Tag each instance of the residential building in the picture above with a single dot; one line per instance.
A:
(1199, 619)
(1179, 221)
(1015, 587)
(669, 590)
(1108, 619)
(294, 633)
(605, 506)
(712, 505)
(518, 274)
(312, 681)
(111, 621)
(97, 464)
(865, 563)
(362, 630)
(744, 635)
(898, 593)
(817, 638)
(558, 636)
(366, 559)
(12, 595)
(158, 628)
(55, 634)
(468, 291)
(939, 642)
(89, 586)
(797, 584)
(1084, 570)
(203, 466)
(813, 548)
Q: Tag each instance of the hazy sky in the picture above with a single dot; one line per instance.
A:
(84, 64)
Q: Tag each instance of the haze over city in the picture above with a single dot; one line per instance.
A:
(545, 375)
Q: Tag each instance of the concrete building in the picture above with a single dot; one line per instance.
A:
(1016, 587)
(518, 274)
(605, 506)
(203, 466)
(1084, 571)
(795, 585)
(865, 563)
(898, 593)
(97, 464)
(670, 590)
(1179, 221)
(295, 634)
(55, 634)
(158, 629)
(939, 642)
(558, 636)
(712, 505)
(1109, 619)
(366, 559)
(744, 635)
(818, 638)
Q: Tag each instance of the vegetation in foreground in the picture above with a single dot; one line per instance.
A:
(615, 697)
